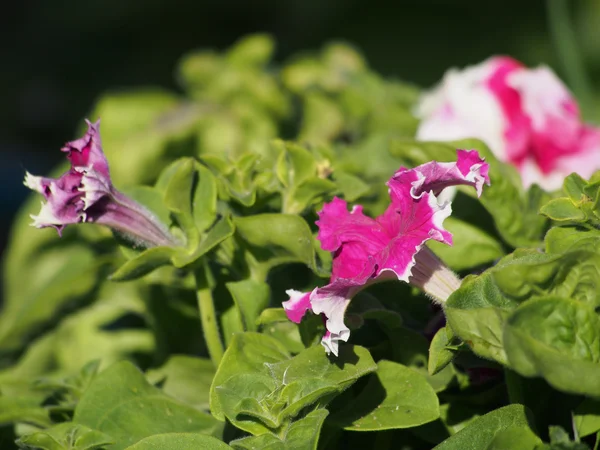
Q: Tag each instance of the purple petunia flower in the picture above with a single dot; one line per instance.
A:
(367, 250)
(85, 194)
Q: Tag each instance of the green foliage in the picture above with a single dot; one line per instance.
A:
(238, 167)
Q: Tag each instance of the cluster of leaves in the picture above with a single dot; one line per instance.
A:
(238, 166)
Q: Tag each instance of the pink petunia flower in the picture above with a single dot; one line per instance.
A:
(85, 194)
(391, 246)
(526, 116)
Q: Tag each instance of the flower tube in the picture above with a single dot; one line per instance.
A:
(85, 194)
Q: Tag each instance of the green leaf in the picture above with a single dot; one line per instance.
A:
(439, 354)
(558, 339)
(275, 323)
(222, 230)
(472, 246)
(259, 387)
(476, 312)
(563, 239)
(205, 198)
(278, 239)
(144, 263)
(185, 378)
(586, 417)
(179, 441)
(65, 436)
(395, 397)
(302, 434)
(350, 186)
(562, 210)
(571, 275)
(178, 198)
(23, 409)
(507, 427)
(122, 404)
(250, 297)
(574, 186)
(58, 276)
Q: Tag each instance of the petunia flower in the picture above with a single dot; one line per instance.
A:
(391, 246)
(85, 194)
(526, 116)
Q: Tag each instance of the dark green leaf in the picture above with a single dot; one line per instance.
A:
(504, 428)
(302, 434)
(395, 397)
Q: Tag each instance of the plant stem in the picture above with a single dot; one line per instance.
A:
(208, 316)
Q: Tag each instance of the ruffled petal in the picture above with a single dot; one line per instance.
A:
(86, 152)
(353, 238)
(469, 169)
(331, 301)
(297, 306)
(63, 204)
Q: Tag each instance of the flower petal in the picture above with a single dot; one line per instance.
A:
(469, 169)
(63, 200)
(297, 305)
(352, 236)
(332, 300)
(86, 152)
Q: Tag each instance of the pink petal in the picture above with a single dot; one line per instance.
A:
(86, 152)
(297, 305)
(331, 301)
(63, 204)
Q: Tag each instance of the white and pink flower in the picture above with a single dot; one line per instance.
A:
(367, 250)
(526, 116)
(85, 194)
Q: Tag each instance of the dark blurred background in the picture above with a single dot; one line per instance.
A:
(58, 57)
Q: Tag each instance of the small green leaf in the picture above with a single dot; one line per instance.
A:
(558, 339)
(574, 186)
(178, 198)
(301, 434)
(66, 436)
(179, 441)
(350, 186)
(121, 403)
(562, 210)
(439, 355)
(586, 417)
(144, 263)
(563, 239)
(205, 198)
(395, 397)
(278, 239)
(507, 427)
(250, 297)
(476, 312)
(222, 230)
